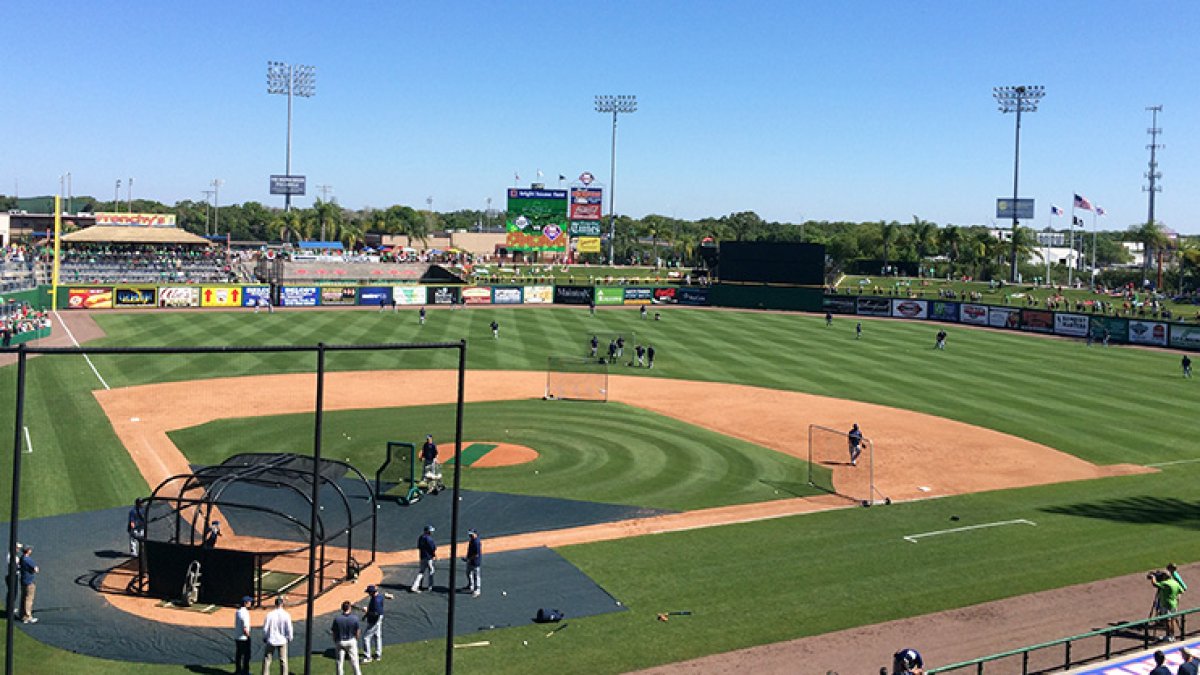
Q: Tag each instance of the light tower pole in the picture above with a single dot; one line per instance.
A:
(208, 195)
(1153, 174)
(292, 80)
(216, 205)
(117, 197)
(614, 105)
(1017, 99)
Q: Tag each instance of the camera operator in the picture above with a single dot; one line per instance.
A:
(1166, 600)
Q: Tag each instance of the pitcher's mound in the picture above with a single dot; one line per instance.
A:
(505, 454)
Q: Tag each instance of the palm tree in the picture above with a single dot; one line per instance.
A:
(330, 216)
(889, 232)
(950, 239)
(923, 235)
(1152, 238)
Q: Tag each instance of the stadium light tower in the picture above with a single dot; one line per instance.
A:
(614, 105)
(1017, 99)
(292, 80)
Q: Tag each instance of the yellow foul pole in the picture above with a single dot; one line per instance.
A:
(57, 238)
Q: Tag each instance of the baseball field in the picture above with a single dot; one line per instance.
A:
(1093, 446)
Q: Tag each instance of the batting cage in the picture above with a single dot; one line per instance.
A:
(855, 479)
(576, 378)
(252, 466)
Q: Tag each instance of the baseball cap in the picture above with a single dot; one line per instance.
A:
(371, 588)
(246, 599)
(429, 528)
(472, 532)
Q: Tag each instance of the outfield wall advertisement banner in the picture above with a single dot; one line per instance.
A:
(409, 295)
(1118, 329)
(1037, 320)
(537, 220)
(90, 298)
(573, 295)
(502, 295)
(943, 311)
(252, 295)
(135, 220)
(539, 295)
(1148, 333)
(339, 295)
(910, 309)
(839, 305)
(135, 297)
(179, 296)
(477, 295)
(298, 296)
(692, 296)
(587, 203)
(1075, 325)
(664, 295)
(639, 296)
(874, 306)
(220, 296)
(1004, 317)
(1187, 337)
(371, 295)
(443, 295)
(610, 295)
(973, 314)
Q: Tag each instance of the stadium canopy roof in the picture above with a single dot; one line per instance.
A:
(134, 235)
(322, 245)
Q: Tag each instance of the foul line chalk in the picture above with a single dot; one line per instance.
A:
(1178, 461)
(76, 343)
(912, 538)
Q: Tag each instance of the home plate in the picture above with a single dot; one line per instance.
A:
(922, 488)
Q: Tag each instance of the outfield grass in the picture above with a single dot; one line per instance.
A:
(747, 584)
(610, 453)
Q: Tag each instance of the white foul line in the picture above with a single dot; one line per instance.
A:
(28, 443)
(1178, 461)
(76, 343)
(912, 538)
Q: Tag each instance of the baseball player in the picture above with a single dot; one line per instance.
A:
(858, 331)
(828, 319)
(620, 346)
(1187, 366)
(650, 356)
(429, 453)
(643, 312)
(907, 662)
(855, 437)
(640, 351)
(941, 340)
(427, 549)
(595, 344)
(495, 331)
(421, 317)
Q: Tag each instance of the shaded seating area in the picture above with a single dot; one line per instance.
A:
(133, 255)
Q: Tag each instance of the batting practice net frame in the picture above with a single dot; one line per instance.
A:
(208, 363)
(828, 446)
(575, 378)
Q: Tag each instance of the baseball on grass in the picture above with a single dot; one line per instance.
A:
(525, 642)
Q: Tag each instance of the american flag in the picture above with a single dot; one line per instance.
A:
(1099, 210)
(1055, 211)
(1082, 203)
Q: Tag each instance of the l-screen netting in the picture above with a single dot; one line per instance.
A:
(577, 379)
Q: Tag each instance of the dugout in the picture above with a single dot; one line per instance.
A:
(264, 504)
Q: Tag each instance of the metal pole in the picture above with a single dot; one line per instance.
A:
(287, 198)
(216, 206)
(129, 193)
(14, 513)
(117, 197)
(1093, 248)
(1016, 174)
(458, 427)
(70, 200)
(316, 507)
(612, 192)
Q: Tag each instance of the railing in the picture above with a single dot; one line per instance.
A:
(1136, 631)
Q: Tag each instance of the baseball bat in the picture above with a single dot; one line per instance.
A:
(557, 629)
(482, 643)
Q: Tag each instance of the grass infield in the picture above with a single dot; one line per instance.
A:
(746, 584)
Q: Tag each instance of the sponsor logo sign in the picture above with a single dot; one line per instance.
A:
(1007, 208)
(573, 295)
(973, 314)
(874, 306)
(298, 296)
(1004, 317)
(639, 296)
(90, 298)
(835, 304)
(539, 295)
(1148, 333)
(338, 295)
(371, 295)
(179, 296)
(135, 219)
(1071, 324)
(251, 295)
(910, 309)
(1118, 329)
(477, 295)
(409, 295)
(287, 185)
(1187, 337)
(943, 311)
(587, 244)
(506, 295)
(135, 297)
(610, 295)
(664, 294)
(220, 296)
(442, 295)
(692, 296)
(1037, 320)
(584, 229)
(586, 203)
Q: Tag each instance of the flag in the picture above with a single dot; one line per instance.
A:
(561, 177)
(1076, 220)
(516, 177)
(1082, 203)
(1099, 210)
(1055, 211)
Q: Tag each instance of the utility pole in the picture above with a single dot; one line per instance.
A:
(325, 190)
(208, 195)
(1153, 175)
(117, 197)
(217, 205)
(129, 208)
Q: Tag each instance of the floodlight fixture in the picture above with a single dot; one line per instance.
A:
(290, 80)
(623, 103)
(1017, 99)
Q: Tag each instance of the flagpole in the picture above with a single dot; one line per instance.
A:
(1093, 248)
(1071, 248)
(1046, 246)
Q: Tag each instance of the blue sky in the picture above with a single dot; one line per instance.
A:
(795, 110)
